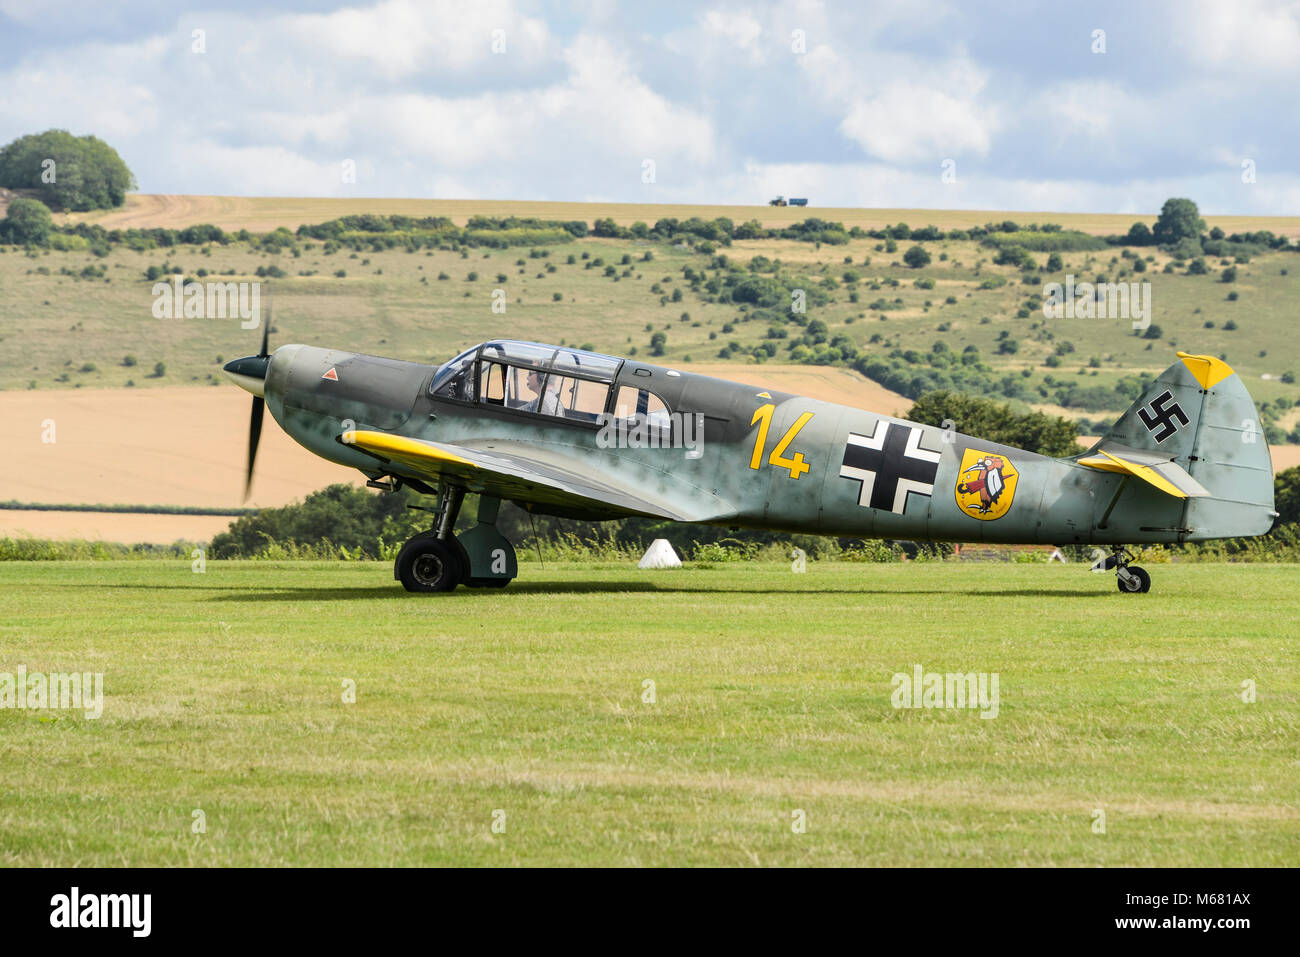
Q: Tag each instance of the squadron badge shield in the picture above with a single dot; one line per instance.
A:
(986, 485)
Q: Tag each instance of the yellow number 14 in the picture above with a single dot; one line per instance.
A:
(763, 419)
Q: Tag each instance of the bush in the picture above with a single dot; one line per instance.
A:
(339, 516)
(28, 222)
(1065, 240)
(916, 257)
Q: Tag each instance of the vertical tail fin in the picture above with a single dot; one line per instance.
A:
(1198, 421)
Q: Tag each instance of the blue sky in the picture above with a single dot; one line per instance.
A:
(854, 104)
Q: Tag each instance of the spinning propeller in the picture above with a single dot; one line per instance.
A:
(250, 374)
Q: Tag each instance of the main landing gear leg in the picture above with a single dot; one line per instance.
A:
(1129, 577)
(438, 560)
(433, 561)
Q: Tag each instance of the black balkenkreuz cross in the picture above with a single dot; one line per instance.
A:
(1158, 416)
(890, 464)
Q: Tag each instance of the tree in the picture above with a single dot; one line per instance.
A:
(1013, 255)
(996, 422)
(609, 229)
(657, 343)
(1179, 219)
(340, 514)
(1139, 234)
(66, 171)
(1286, 495)
(28, 221)
(1055, 263)
(916, 257)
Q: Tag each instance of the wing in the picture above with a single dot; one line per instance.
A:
(1154, 467)
(526, 473)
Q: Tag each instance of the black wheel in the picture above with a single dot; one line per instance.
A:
(1139, 583)
(429, 564)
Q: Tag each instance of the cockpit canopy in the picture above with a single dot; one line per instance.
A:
(530, 355)
(553, 381)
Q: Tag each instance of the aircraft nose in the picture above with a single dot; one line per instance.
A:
(249, 373)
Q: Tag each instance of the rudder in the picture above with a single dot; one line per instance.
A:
(1200, 416)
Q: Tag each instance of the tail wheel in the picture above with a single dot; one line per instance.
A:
(429, 565)
(1138, 582)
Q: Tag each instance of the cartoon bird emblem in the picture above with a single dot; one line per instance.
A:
(985, 485)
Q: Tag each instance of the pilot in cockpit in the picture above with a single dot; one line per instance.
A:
(550, 400)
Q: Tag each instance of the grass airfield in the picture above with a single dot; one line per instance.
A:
(224, 693)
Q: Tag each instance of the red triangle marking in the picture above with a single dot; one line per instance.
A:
(332, 374)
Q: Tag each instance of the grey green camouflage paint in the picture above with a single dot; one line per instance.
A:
(1054, 501)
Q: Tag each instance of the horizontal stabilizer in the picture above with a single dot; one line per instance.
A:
(1157, 468)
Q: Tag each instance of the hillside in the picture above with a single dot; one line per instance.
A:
(78, 319)
(81, 344)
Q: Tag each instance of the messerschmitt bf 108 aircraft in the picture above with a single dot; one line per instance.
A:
(567, 432)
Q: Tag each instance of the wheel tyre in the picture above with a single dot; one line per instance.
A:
(429, 565)
(1142, 585)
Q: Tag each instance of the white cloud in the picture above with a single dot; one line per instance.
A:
(402, 38)
(1248, 36)
(740, 28)
(907, 122)
(413, 93)
(277, 171)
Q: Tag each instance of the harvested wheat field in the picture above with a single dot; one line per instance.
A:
(126, 528)
(265, 213)
(181, 446)
(827, 383)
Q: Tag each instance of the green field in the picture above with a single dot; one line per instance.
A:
(223, 693)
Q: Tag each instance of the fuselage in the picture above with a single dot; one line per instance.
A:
(762, 459)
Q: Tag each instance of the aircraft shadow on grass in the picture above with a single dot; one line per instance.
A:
(613, 588)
